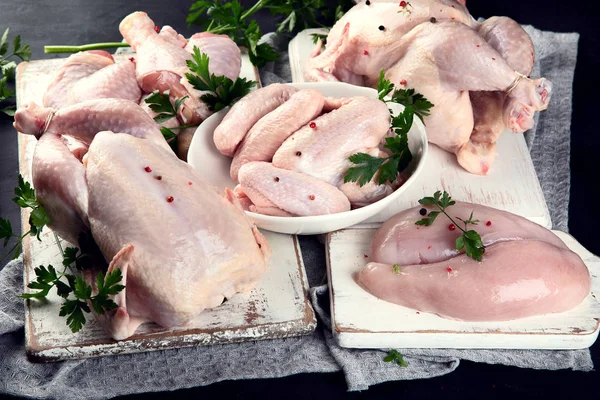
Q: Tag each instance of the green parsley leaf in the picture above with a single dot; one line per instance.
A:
(82, 290)
(384, 86)
(170, 137)
(160, 103)
(396, 357)
(73, 310)
(70, 256)
(470, 240)
(366, 168)
(396, 269)
(223, 91)
(25, 194)
(5, 231)
(318, 36)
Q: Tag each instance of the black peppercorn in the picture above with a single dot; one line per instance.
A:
(381, 28)
(423, 211)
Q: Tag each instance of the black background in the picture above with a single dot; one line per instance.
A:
(91, 21)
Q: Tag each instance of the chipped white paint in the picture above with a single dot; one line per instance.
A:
(277, 307)
(511, 185)
(361, 320)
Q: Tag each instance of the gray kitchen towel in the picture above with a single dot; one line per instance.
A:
(107, 377)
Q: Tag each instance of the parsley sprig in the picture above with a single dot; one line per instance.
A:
(470, 240)
(366, 165)
(7, 67)
(38, 218)
(232, 19)
(223, 91)
(396, 357)
(72, 288)
(161, 104)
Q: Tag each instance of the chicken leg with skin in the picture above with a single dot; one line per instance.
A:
(82, 121)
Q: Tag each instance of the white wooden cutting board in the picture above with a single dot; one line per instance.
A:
(512, 184)
(277, 307)
(361, 320)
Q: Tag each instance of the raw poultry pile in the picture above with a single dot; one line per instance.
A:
(476, 74)
(291, 150)
(102, 166)
(525, 269)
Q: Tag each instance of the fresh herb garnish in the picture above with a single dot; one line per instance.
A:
(223, 91)
(395, 356)
(470, 240)
(161, 104)
(319, 36)
(7, 67)
(232, 19)
(38, 218)
(74, 308)
(389, 167)
(396, 269)
(48, 277)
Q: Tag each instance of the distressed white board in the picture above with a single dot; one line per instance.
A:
(277, 307)
(511, 185)
(361, 320)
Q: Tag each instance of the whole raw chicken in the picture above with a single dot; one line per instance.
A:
(146, 211)
(474, 74)
(526, 270)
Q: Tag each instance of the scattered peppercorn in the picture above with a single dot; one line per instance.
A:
(489, 223)
(156, 28)
(432, 20)
(170, 199)
(312, 197)
(312, 125)
(423, 211)
(147, 169)
(402, 4)
(276, 179)
(159, 177)
(366, 53)
(452, 227)
(298, 153)
(368, 3)
(190, 183)
(381, 28)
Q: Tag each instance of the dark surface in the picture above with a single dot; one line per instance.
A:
(80, 21)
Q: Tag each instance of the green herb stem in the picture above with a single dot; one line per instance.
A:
(75, 49)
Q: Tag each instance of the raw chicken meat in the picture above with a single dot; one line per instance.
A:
(82, 121)
(436, 48)
(63, 192)
(115, 81)
(526, 269)
(322, 151)
(76, 67)
(161, 62)
(516, 279)
(179, 259)
(246, 112)
(400, 241)
(267, 135)
(224, 56)
(275, 191)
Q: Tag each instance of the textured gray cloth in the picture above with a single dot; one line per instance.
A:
(174, 369)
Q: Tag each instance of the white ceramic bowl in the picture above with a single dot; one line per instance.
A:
(214, 166)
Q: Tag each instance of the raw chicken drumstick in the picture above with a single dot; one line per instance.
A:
(526, 270)
(161, 62)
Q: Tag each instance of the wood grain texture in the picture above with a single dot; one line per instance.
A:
(361, 320)
(277, 307)
(512, 184)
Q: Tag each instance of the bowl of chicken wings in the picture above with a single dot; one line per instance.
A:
(310, 158)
